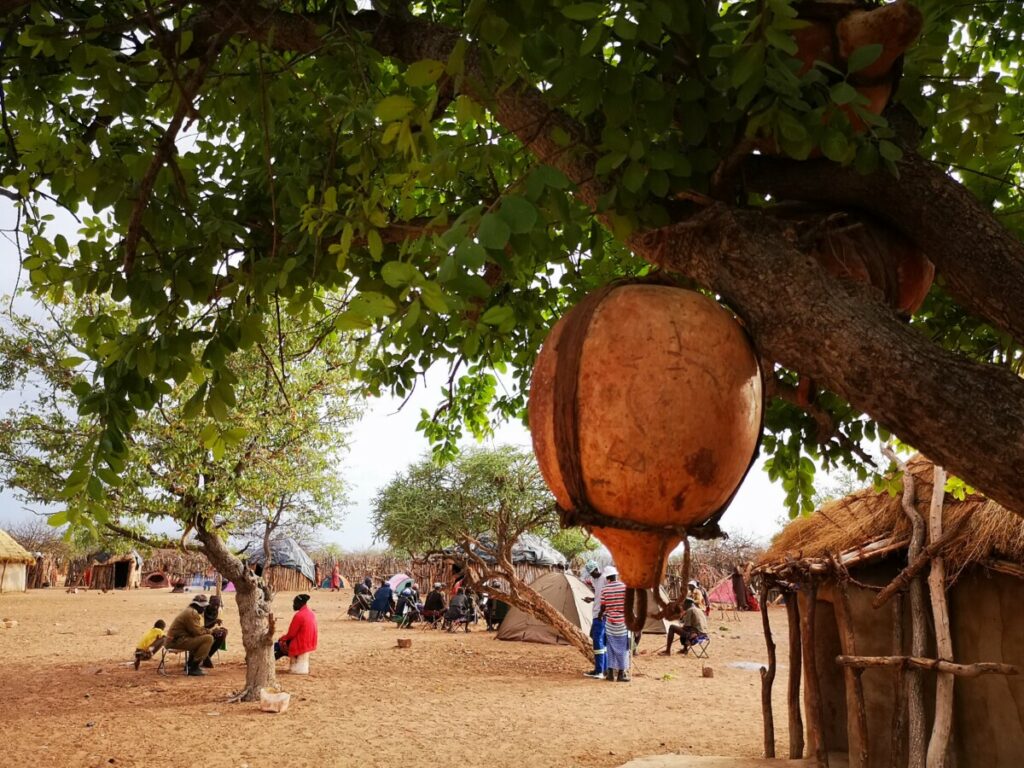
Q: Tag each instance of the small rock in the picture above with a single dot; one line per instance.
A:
(707, 672)
(111, 630)
(90, 724)
(88, 695)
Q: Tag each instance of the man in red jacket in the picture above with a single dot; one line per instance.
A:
(301, 635)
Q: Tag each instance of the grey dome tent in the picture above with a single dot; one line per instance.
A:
(566, 593)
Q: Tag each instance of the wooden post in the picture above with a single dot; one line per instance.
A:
(899, 712)
(216, 581)
(812, 691)
(942, 726)
(796, 723)
(854, 685)
(767, 676)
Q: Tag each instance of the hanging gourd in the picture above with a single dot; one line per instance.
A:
(645, 410)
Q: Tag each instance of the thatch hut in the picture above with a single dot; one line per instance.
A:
(290, 568)
(14, 562)
(843, 571)
(115, 571)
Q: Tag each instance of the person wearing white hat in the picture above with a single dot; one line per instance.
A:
(694, 592)
(597, 623)
(612, 608)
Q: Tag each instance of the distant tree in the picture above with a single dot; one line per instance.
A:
(573, 543)
(481, 503)
(262, 455)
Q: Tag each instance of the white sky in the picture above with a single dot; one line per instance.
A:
(386, 441)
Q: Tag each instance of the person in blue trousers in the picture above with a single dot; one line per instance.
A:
(597, 581)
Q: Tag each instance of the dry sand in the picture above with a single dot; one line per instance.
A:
(69, 695)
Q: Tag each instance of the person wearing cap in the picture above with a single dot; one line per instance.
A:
(187, 633)
(694, 593)
(212, 621)
(694, 624)
(612, 608)
(301, 636)
(597, 628)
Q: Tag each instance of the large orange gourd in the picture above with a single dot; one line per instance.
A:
(645, 411)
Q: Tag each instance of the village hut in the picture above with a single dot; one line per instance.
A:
(290, 569)
(842, 572)
(14, 562)
(116, 571)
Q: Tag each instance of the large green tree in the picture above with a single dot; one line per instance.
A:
(475, 509)
(464, 171)
(274, 463)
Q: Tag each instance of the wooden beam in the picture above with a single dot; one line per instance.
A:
(940, 665)
(904, 577)
(854, 685)
(942, 725)
(767, 677)
(812, 690)
(899, 712)
(796, 723)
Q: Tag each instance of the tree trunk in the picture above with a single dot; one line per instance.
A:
(812, 689)
(767, 677)
(253, 599)
(796, 723)
(523, 597)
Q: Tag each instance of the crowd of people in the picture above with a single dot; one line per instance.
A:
(459, 607)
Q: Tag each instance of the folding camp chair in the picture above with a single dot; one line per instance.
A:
(700, 646)
(162, 666)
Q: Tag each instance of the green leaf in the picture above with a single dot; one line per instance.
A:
(781, 40)
(583, 11)
(493, 232)
(844, 93)
(836, 146)
(375, 244)
(209, 435)
(371, 304)
(399, 273)
(497, 315)
(890, 151)
(519, 213)
(423, 73)
(57, 519)
(433, 297)
(863, 57)
(71, 362)
(393, 108)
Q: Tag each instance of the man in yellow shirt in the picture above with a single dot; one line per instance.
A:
(150, 643)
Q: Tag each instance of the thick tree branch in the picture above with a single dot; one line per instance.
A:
(981, 261)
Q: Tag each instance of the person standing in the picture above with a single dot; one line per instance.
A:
(597, 628)
(335, 579)
(187, 633)
(613, 610)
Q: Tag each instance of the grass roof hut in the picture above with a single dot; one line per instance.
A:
(843, 571)
(14, 562)
(116, 570)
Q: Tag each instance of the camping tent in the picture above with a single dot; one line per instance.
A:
(13, 561)
(290, 567)
(566, 593)
(655, 626)
(841, 556)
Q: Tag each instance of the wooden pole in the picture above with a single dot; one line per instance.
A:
(767, 676)
(899, 712)
(854, 685)
(930, 665)
(903, 578)
(796, 723)
(813, 689)
(917, 743)
(942, 725)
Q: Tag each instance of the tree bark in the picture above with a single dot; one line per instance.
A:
(254, 613)
(942, 725)
(796, 724)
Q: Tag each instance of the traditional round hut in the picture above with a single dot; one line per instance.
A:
(843, 572)
(14, 561)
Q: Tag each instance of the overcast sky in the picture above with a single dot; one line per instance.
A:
(386, 441)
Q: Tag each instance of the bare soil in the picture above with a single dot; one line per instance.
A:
(70, 697)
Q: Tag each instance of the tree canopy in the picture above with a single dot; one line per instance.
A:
(460, 173)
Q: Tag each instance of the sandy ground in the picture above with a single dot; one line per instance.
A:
(69, 695)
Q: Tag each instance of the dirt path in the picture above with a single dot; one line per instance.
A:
(71, 698)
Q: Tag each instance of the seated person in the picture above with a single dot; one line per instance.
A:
(150, 643)
(434, 606)
(694, 624)
(211, 620)
(301, 636)
(460, 610)
(406, 603)
(360, 602)
(365, 587)
(381, 605)
(187, 633)
(694, 593)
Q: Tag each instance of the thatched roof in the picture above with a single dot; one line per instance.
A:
(12, 552)
(871, 523)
